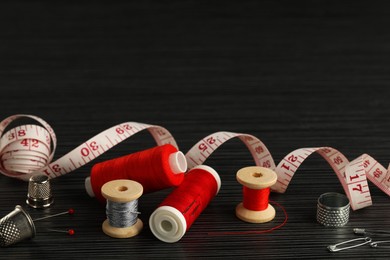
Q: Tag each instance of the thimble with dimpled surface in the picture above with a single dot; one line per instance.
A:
(15, 227)
(39, 192)
(333, 209)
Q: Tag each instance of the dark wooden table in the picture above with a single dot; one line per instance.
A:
(294, 74)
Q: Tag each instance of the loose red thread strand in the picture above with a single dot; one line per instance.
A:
(256, 200)
(149, 167)
(254, 232)
(193, 195)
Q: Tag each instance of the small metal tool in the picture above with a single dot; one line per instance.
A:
(336, 247)
(365, 232)
(376, 244)
(39, 192)
(15, 227)
(333, 209)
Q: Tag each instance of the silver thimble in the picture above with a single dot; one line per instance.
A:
(333, 209)
(15, 227)
(39, 192)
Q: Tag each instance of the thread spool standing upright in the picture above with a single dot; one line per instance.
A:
(121, 196)
(256, 183)
(155, 169)
(175, 215)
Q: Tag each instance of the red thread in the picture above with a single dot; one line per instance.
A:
(254, 232)
(193, 195)
(256, 200)
(149, 167)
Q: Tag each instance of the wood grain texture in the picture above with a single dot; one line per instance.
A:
(294, 74)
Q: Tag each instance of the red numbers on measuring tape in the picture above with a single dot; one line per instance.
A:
(259, 149)
(211, 140)
(21, 132)
(119, 130)
(127, 127)
(91, 147)
(30, 142)
(351, 178)
(55, 168)
(337, 160)
(202, 147)
(41, 142)
(292, 158)
(378, 173)
(358, 187)
(84, 151)
(267, 164)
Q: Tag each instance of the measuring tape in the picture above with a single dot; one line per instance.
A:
(28, 149)
(205, 147)
(352, 175)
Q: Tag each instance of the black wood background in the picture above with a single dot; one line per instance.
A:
(293, 73)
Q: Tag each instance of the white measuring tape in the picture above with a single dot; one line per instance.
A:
(28, 149)
(205, 147)
(352, 175)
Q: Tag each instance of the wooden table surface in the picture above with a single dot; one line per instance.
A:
(294, 74)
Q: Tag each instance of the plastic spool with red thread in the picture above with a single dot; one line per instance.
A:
(122, 223)
(175, 215)
(256, 182)
(155, 169)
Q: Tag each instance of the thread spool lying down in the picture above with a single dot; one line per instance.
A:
(175, 215)
(155, 169)
(256, 182)
(122, 208)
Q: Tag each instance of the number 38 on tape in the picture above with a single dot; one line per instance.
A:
(29, 149)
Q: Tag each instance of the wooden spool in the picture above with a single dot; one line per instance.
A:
(256, 178)
(122, 191)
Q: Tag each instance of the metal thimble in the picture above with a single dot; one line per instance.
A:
(15, 227)
(39, 192)
(333, 209)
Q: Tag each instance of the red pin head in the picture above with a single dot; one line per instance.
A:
(70, 232)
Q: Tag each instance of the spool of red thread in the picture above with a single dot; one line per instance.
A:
(256, 182)
(155, 169)
(175, 215)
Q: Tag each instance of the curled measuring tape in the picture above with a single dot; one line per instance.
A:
(352, 175)
(28, 149)
(205, 147)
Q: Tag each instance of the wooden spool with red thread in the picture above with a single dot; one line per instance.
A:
(256, 182)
